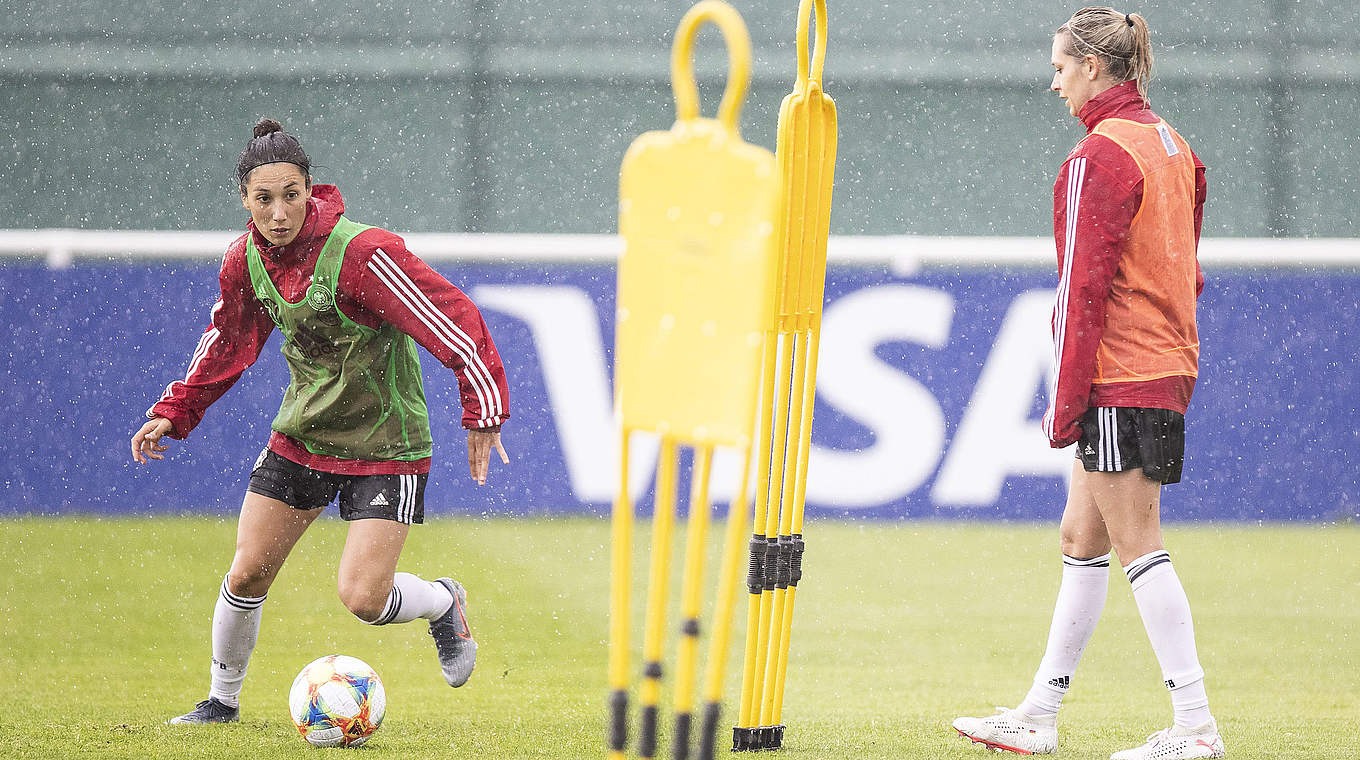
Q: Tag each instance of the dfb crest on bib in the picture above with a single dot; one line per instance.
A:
(319, 298)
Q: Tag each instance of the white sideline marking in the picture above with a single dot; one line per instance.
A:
(903, 254)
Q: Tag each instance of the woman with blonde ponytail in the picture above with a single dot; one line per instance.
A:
(1127, 210)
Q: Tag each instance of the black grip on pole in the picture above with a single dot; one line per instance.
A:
(796, 559)
(680, 745)
(755, 577)
(618, 720)
(690, 627)
(765, 737)
(785, 554)
(771, 563)
(776, 738)
(744, 740)
(708, 730)
(647, 737)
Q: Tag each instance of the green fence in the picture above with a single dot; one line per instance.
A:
(500, 116)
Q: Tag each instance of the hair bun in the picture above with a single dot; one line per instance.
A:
(266, 127)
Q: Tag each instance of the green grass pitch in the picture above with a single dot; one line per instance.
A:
(899, 628)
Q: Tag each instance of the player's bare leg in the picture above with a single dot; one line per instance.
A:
(1130, 504)
(266, 533)
(1083, 532)
(368, 564)
(372, 589)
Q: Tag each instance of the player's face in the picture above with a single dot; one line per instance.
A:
(276, 197)
(1074, 79)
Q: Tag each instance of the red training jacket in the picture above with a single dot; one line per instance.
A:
(1102, 195)
(380, 281)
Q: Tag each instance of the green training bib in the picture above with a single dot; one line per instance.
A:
(356, 392)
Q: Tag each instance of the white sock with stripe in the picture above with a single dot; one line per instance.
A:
(413, 598)
(235, 629)
(1081, 597)
(1166, 616)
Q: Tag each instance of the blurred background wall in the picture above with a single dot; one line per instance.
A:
(512, 117)
(501, 116)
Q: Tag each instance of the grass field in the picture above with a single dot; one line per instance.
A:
(900, 627)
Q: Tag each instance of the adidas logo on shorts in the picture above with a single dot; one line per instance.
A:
(379, 501)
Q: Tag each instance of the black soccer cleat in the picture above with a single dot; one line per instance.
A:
(208, 711)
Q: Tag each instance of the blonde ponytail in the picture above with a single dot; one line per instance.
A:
(1122, 42)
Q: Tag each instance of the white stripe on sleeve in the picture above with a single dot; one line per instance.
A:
(1076, 172)
(443, 328)
(205, 342)
(454, 336)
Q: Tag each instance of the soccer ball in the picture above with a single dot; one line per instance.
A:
(337, 701)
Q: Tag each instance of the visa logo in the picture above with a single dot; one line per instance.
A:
(909, 450)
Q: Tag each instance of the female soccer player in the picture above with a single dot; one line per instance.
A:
(351, 303)
(1127, 208)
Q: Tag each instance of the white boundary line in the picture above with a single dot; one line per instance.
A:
(901, 253)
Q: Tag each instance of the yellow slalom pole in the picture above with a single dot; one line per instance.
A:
(781, 475)
(768, 641)
(796, 526)
(780, 668)
(722, 611)
(804, 446)
(751, 678)
(654, 628)
(807, 148)
(771, 731)
(621, 540)
(771, 475)
(665, 335)
(691, 596)
(814, 274)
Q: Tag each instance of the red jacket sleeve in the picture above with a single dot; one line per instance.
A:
(399, 287)
(1098, 192)
(232, 342)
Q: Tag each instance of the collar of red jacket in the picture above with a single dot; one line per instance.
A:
(323, 212)
(1121, 98)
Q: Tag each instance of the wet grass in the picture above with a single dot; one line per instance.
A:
(900, 627)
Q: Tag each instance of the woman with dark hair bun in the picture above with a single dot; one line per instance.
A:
(1127, 211)
(351, 303)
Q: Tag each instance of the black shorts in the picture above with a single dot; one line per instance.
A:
(400, 498)
(1116, 438)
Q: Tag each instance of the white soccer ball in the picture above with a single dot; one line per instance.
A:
(337, 701)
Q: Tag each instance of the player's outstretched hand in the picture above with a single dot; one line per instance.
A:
(146, 444)
(480, 444)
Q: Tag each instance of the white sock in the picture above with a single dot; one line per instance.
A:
(1166, 616)
(1081, 597)
(235, 629)
(413, 598)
